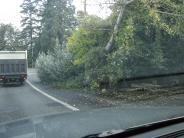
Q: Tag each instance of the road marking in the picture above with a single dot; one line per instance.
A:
(52, 98)
(28, 135)
(32, 73)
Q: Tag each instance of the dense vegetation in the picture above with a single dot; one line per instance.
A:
(140, 37)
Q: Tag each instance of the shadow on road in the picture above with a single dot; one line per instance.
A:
(11, 85)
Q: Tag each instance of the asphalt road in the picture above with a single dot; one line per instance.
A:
(80, 124)
(18, 102)
(34, 99)
(35, 110)
(83, 100)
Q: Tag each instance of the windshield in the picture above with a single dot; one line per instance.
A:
(74, 56)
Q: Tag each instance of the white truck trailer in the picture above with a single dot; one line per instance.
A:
(13, 66)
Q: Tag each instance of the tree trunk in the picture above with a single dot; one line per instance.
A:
(110, 44)
(85, 7)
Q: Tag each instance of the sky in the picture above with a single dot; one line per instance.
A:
(10, 11)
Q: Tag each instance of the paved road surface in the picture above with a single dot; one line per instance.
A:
(79, 124)
(23, 101)
(19, 102)
(29, 100)
(84, 100)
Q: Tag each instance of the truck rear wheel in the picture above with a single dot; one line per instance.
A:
(4, 84)
(21, 82)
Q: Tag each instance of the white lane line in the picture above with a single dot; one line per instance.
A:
(52, 98)
(32, 73)
(28, 135)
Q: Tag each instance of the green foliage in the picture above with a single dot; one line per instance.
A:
(95, 65)
(10, 38)
(73, 82)
(149, 38)
(80, 43)
(57, 24)
(30, 19)
(31, 24)
(55, 66)
(87, 37)
(46, 23)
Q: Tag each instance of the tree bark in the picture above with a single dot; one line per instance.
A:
(110, 44)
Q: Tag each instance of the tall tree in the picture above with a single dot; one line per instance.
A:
(30, 23)
(10, 38)
(58, 22)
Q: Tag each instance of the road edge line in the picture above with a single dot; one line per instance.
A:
(52, 98)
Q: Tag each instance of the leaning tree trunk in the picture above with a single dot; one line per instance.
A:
(110, 44)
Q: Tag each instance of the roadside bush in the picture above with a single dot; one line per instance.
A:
(55, 67)
(43, 64)
(74, 82)
(96, 72)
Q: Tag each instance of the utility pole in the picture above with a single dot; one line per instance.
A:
(32, 49)
(85, 7)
